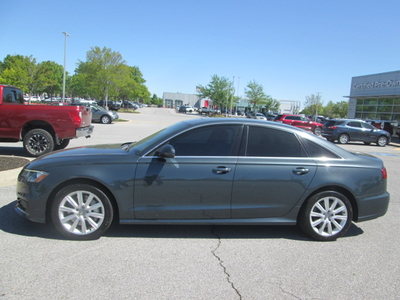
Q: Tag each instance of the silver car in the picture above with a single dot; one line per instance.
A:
(206, 171)
(102, 115)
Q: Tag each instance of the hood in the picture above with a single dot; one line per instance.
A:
(97, 154)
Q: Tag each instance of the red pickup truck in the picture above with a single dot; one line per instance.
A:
(41, 128)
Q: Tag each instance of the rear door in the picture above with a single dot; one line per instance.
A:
(272, 174)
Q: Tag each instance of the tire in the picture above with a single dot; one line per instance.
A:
(62, 144)
(382, 141)
(343, 138)
(105, 119)
(81, 212)
(326, 216)
(38, 142)
(317, 131)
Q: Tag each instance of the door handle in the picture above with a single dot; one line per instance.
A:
(301, 171)
(221, 170)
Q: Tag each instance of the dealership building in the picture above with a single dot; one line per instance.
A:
(173, 100)
(375, 97)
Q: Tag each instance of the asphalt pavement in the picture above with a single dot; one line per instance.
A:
(196, 262)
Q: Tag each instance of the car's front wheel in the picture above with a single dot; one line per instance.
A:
(105, 119)
(382, 141)
(343, 138)
(326, 216)
(81, 212)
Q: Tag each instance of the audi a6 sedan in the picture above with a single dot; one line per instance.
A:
(206, 171)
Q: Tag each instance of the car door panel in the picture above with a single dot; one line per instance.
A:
(183, 188)
(269, 187)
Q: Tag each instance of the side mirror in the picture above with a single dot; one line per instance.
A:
(167, 151)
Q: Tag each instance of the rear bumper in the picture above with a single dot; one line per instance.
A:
(373, 207)
(84, 131)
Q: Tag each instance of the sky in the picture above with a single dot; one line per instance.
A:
(293, 48)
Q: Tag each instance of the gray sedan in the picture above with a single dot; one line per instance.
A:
(102, 115)
(206, 171)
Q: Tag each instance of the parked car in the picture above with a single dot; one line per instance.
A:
(112, 105)
(258, 116)
(300, 122)
(270, 116)
(100, 114)
(129, 105)
(346, 130)
(185, 109)
(385, 125)
(206, 171)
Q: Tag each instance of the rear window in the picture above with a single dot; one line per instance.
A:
(316, 151)
(333, 123)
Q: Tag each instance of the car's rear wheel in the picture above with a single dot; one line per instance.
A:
(326, 216)
(105, 119)
(382, 141)
(343, 138)
(81, 212)
(317, 131)
(38, 142)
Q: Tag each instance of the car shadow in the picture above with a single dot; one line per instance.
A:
(14, 151)
(12, 223)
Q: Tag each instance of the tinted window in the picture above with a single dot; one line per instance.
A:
(273, 143)
(12, 95)
(354, 124)
(367, 126)
(206, 141)
(316, 151)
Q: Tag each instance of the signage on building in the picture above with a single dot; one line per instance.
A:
(376, 84)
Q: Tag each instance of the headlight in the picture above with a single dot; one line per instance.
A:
(32, 175)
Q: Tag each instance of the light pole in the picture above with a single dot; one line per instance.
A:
(65, 62)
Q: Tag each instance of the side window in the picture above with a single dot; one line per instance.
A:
(367, 126)
(269, 142)
(11, 95)
(216, 140)
(316, 151)
(355, 124)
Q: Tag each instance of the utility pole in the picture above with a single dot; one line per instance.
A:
(65, 62)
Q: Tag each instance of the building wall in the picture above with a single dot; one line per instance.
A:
(375, 97)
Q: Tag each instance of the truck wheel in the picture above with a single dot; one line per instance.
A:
(105, 119)
(61, 144)
(38, 142)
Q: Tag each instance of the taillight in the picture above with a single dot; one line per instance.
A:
(384, 173)
(332, 127)
(76, 118)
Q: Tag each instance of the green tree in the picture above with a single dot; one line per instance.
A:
(101, 71)
(257, 97)
(313, 105)
(220, 90)
(52, 75)
(22, 71)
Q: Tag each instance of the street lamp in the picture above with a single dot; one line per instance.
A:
(65, 62)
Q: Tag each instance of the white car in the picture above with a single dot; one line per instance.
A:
(258, 116)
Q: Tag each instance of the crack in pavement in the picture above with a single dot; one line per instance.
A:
(221, 263)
